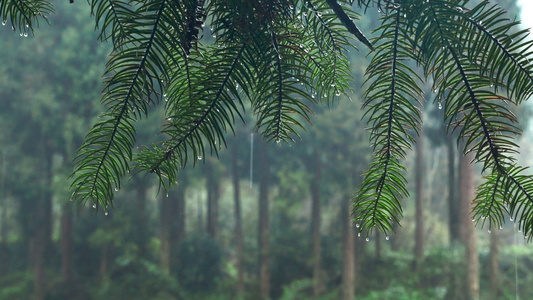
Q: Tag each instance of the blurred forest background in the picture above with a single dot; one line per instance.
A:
(262, 221)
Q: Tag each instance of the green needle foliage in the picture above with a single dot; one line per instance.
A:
(283, 56)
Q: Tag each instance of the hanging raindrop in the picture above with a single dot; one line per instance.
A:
(199, 157)
(387, 237)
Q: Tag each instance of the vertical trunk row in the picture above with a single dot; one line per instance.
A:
(419, 210)
(239, 243)
(318, 286)
(264, 226)
(468, 235)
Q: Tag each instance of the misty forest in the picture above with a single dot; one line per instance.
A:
(265, 149)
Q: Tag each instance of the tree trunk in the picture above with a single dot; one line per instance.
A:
(43, 225)
(419, 211)
(66, 245)
(318, 286)
(38, 264)
(104, 260)
(453, 216)
(239, 243)
(348, 253)
(3, 216)
(468, 235)
(213, 196)
(494, 274)
(165, 216)
(140, 226)
(264, 226)
(378, 246)
(172, 215)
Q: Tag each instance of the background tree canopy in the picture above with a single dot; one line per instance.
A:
(206, 61)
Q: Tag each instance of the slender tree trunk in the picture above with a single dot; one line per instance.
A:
(348, 253)
(318, 286)
(104, 260)
(38, 264)
(3, 216)
(468, 235)
(213, 195)
(494, 274)
(419, 211)
(43, 225)
(172, 215)
(165, 215)
(181, 206)
(264, 226)
(66, 245)
(141, 217)
(453, 220)
(379, 246)
(239, 243)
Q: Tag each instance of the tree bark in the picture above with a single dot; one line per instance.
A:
(38, 264)
(419, 210)
(3, 208)
(468, 235)
(318, 286)
(239, 243)
(213, 196)
(453, 220)
(348, 253)
(165, 215)
(494, 274)
(172, 215)
(66, 245)
(264, 226)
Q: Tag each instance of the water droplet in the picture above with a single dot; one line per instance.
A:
(199, 157)
(167, 195)
(116, 189)
(473, 220)
(4, 22)
(358, 234)
(367, 239)
(337, 94)
(387, 237)
(94, 205)
(27, 26)
(25, 34)
(106, 213)
(357, 225)
(440, 105)
(511, 219)
(488, 231)
(491, 85)
(21, 34)
(169, 119)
